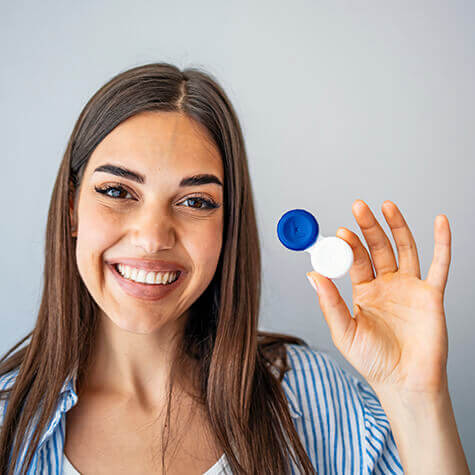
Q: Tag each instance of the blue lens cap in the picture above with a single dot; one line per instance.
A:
(297, 229)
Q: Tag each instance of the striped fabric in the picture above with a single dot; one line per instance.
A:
(342, 426)
(338, 417)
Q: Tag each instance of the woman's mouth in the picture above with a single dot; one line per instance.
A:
(146, 277)
(152, 288)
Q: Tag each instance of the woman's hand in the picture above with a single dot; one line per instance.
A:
(397, 339)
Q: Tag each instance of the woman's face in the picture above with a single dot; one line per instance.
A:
(154, 220)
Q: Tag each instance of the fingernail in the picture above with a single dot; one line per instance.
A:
(312, 282)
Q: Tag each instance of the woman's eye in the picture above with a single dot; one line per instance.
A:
(106, 189)
(203, 202)
(207, 203)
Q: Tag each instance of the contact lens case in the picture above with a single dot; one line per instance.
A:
(298, 230)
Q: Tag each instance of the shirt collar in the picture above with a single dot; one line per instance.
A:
(67, 399)
(69, 385)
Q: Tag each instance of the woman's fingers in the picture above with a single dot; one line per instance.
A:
(439, 268)
(362, 269)
(406, 246)
(340, 322)
(380, 247)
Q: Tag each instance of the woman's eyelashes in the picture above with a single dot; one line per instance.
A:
(104, 190)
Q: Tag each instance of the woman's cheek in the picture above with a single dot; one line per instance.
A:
(206, 251)
(97, 232)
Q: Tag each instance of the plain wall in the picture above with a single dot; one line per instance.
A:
(338, 101)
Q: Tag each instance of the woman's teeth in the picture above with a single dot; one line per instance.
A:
(146, 277)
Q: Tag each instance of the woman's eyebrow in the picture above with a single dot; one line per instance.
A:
(194, 180)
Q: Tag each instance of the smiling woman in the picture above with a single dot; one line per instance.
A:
(151, 296)
(146, 355)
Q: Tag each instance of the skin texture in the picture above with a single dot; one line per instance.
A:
(397, 338)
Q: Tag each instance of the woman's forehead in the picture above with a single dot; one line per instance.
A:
(154, 142)
(165, 131)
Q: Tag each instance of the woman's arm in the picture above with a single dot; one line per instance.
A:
(425, 432)
(397, 339)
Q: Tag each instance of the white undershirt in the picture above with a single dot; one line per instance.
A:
(68, 468)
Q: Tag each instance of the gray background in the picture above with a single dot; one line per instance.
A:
(339, 100)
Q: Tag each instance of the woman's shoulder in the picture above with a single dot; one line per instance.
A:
(319, 382)
(343, 423)
(310, 368)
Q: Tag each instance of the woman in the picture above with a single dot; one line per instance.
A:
(146, 355)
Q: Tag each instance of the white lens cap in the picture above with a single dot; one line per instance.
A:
(331, 257)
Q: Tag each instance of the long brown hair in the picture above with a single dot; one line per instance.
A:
(244, 400)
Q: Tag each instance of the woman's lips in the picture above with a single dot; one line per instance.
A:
(145, 291)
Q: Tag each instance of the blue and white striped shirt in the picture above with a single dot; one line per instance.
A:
(338, 418)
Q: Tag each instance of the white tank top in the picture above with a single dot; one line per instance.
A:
(68, 468)
(218, 468)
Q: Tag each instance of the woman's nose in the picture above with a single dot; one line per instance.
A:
(154, 233)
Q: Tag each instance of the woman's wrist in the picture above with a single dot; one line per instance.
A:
(425, 432)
